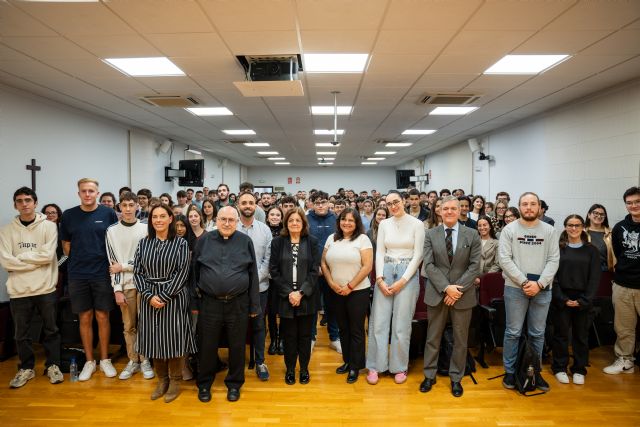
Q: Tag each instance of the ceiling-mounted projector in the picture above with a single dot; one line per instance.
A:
(273, 69)
(270, 75)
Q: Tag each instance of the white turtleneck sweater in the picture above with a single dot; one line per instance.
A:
(400, 238)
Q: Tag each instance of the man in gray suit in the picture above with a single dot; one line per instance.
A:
(452, 263)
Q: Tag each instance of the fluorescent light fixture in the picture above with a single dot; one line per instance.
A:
(325, 163)
(327, 132)
(191, 150)
(398, 144)
(256, 144)
(376, 158)
(369, 163)
(145, 67)
(209, 111)
(335, 62)
(281, 163)
(268, 153)
(383, 153)
(326, 158)
(276, 158)
(239, 132)
(452, 111)
(327, 144)
(321, 110)
(525, 64)
(328, 153)
(418, 132)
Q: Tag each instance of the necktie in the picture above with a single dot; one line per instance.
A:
(449, 242)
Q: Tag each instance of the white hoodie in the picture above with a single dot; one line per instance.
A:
(29, 255)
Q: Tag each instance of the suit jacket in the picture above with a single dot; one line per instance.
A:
(489, 257)
(463, 269)
(281, 270)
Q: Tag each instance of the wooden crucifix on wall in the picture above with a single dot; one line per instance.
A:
(33, 168)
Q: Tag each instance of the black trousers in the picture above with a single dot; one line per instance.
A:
(233, 316)
(296, 333)
(22, 311)
(576, 321)
(350, 312)
(272, 311)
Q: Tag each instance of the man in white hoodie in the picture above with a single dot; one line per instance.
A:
(28, 252)
(122, 241)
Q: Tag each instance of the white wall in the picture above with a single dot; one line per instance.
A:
(328, 179)
(583, 153)
(449, 168)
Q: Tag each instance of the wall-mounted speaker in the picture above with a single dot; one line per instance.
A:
(166, 146)
(403, 179)
(474, 145)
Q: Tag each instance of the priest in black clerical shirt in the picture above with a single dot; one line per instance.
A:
(225, 274)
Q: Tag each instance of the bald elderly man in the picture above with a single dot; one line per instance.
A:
(226, 278)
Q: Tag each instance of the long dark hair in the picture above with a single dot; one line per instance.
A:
(375, 225)
(593, 207)
(57, 208)
(213, 215)
(339, 235)
(564, 237)
(172, 226)
(492, 231)
(432, 221)
(473, 201)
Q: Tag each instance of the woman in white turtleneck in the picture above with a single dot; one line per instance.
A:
(398, 254)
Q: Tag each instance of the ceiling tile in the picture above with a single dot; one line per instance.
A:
(116, 46)
(15, 22)
(384, 63)
(433, 14)
(78, 18)
(516, 15)
(340, 14)
(47, 47)
(463, 64)
(416, 42)
(597, 15)
(151, 16)
(251, 15)
(202, 45)
(563, 41)
(486, 42)
(337, 41)
(623, 42)
(262, 42)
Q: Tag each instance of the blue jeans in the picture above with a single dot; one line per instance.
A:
(518, 306)
(392, 314)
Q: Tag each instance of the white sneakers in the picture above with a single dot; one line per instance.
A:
(562, 377)
(578, 379)
(87, 370)
(22, 377)
(54, 374)
(336, 346)
(620, 366)
(128, 371)
(147, 370)
(107, 368)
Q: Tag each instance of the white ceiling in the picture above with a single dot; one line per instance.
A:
(416, 47)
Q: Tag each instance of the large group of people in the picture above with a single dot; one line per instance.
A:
(193, 275)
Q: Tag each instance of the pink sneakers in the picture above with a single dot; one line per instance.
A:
(400, 377)
(372, 377)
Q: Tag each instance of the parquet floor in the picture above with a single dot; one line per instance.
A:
(326, 401)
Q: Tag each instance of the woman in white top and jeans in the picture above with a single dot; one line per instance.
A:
(347, 260)
(398, 255)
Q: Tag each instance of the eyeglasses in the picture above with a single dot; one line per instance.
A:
(51, 213)
(394, 203)
(509, 216)
(574, 225)
(599, 215)
(226, 220)
(632, 203)
(320, 202)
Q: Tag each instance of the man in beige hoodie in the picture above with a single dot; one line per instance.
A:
(28, 252)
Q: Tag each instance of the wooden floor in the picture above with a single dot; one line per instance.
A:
(327, 401)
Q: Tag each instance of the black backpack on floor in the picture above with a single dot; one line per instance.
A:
(527, 367)
(446, 350)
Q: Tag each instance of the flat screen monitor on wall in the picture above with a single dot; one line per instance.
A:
(194, 173)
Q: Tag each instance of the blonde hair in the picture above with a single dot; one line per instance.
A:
(88, 180)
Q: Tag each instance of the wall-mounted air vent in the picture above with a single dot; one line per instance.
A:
(448, 99)
(171, 101)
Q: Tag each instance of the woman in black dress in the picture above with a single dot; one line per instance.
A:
(274, 221)
(294, 267)
(161, 268)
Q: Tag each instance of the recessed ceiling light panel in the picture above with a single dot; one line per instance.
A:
(145, 67)
(368, 163)
(256, 144)
(239, 132)
(276, 158)
(327, 144)
(328, 153)
(327, 132)
(321, 110)
(418, 132)
(281, 163)
(398, 144)
(452, 111)
(268, 153)
(384, 153)
(525, 64)
(210, 111)
(376, 158)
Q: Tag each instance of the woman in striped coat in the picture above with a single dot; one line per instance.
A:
(161, 268)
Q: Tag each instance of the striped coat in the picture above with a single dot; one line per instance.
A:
(161, 268)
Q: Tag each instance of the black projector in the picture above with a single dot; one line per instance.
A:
(273, 70)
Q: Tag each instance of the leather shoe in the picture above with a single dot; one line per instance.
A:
(280, 347)
(304, 377)
(273, 347)
(342, 369)
(290, 377)
(233, 395)
(204, 395)
(426, 385)
(456, 389)
(352, 376)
